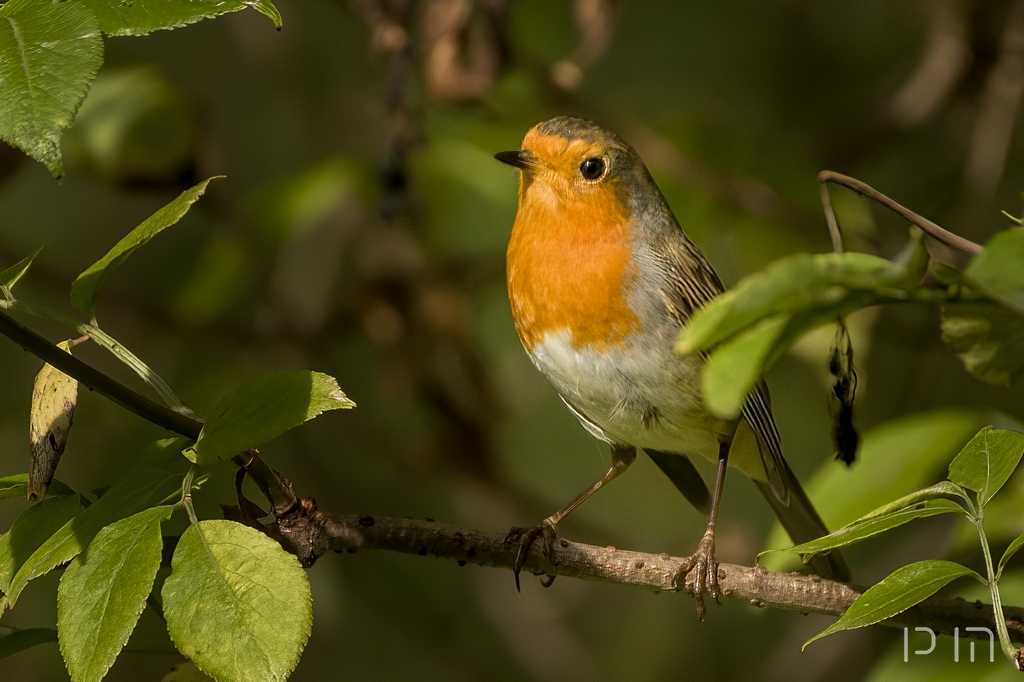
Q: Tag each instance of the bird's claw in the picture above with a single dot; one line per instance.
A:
(525, 537)
(704, 567)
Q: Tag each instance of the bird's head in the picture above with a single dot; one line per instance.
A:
(566, 161)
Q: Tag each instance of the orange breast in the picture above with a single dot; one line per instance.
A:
(569, 266)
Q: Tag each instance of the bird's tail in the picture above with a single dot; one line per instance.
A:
(803, 524)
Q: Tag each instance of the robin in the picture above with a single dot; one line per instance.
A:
(601, 279)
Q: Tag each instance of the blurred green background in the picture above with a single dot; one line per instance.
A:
(361, 232)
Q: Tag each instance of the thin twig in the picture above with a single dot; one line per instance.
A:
(953, 241)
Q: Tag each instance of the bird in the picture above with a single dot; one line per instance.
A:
(601, 281)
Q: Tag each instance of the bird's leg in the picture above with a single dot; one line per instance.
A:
(622, 457)
(702, 562)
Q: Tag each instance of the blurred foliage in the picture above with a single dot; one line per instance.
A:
(361, 232)
(135, 127)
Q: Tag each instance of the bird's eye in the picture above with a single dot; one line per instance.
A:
(592, 168)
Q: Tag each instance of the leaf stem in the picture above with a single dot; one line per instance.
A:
(87, 375)
(993, 588)
(186, 495)
(152, 379)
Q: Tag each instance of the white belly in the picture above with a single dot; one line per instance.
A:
(639, 395)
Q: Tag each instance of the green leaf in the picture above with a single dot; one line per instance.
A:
(16, 486)
(267, 9)
(262, 409)
(895, 459)
(10, 276)
(54, 397)
(736, 366)
(746, 330)
(49, 55)
(30, 530)
(943, 490)
(873, 524)
(1010, 551)
(829, 283)
(986, 462)
(896, 593)
(119, 18)
(997, 269)
(135, 126)
(15, 640)
(129, 495)
(103, 592)
(86, 286)
(237, 604)
(165, 454)
(988, 338)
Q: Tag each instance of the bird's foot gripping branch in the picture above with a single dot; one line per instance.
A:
(112, 547)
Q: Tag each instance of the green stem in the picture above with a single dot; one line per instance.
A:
(993, 588)
(134, 402)
(152, 379)
(186, 495)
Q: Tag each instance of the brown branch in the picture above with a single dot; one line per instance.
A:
(943, 245)
(309, 533)
(756, 586)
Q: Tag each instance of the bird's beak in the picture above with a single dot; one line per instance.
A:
(520, 158)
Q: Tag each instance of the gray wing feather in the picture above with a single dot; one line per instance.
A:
(758, 413)
(690, 284)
